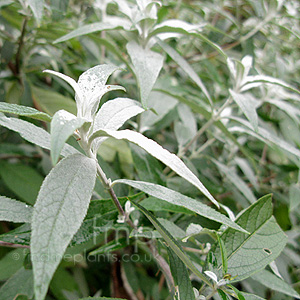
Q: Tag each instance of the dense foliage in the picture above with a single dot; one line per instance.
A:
(214, 82)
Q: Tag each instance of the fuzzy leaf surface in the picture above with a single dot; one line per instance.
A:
(176, 198)
(58, 213)
(114, 113)
(147, 65)
(153, 148)
(63, 126)
(33, 134)
(14, 211)
(25, 111)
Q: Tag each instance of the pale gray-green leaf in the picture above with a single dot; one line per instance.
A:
(24, 111)
(58, 213)
(177, 26)
(33, 134)
(186, 67)
(250, 80)
(169, 159)
(69, 80)
(248, 105)
(114, 113)
(99, 26)
(265, 136)
(252, 297)
(14, 211)
(250, 253)
(176, 198)
(244, 165)
(147, 65)
(37, 7)
(294, 195)
(237, 181)
(63, 126)
(275, 283)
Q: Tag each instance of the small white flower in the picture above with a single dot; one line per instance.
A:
(90, 88)
(128, 208)
(214, 277)
(121, 219)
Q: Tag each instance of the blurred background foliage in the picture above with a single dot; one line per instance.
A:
(239, 151)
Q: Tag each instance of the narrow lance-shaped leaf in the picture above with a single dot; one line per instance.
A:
(186, 68)
(37, 7)
(147, 65)
(265, 135)
(24, 111)
(172, 243)
(176, 26)
(236, 181)
(61, 206)
(33, 134)
(250, 80)
(251, 253)
(169, 159)
(248, 106)
(275, 283)
(90, 28)
(63, 126)
(176, 198)
(114, 113)
(14, 211)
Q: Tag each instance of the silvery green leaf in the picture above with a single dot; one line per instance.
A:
(24, 111)
(248, 105)
(250, 80)
(186, 67)
(291, 110)
(14, 211)
(247, 170)
(275, 283)
(92, 86)
(247, 63)
(147, 65)
(60, 208)
(236, 180)
(177, 26)
(252, 252)
(63, 125)
(33, 134)
(294, 196)
(248, 296)
(149, 118)
(169, 159)
(69, 80)
(176, 198)
(114, 113)
(37, 7)
(111, 23)
(265, 136)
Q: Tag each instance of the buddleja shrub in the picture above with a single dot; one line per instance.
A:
(65, 194)
(64, 214)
